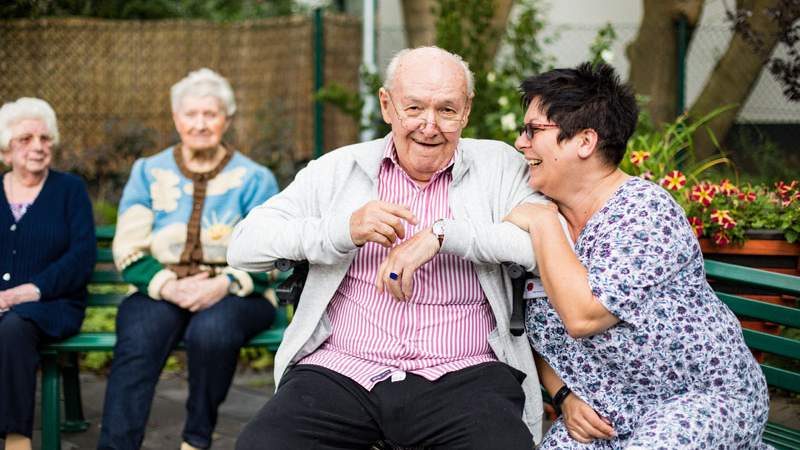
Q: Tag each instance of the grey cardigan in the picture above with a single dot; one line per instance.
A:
(309, 220)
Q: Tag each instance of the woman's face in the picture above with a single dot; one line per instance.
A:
(200, 122)
(30, 147)
(547, 159)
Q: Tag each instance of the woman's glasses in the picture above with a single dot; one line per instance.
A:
(531, 128)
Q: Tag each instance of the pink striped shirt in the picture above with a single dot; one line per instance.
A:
(443, 327)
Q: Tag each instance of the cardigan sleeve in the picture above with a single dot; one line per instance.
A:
(133, 236)
(72, 270)
(258, 189)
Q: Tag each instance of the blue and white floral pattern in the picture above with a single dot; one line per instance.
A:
(675, 371)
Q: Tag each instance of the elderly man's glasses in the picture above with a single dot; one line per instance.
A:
(531, 128)
(446, 118)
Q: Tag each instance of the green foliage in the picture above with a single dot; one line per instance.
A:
(600, 49)
(720, 210)
(351, 102)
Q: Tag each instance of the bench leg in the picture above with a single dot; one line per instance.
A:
(51, 408)
(73, 406)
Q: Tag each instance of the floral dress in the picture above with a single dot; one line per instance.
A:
(675, 372)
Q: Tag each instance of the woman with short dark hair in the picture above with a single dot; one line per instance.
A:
(632, 343)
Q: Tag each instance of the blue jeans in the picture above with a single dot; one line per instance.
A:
(147, 331)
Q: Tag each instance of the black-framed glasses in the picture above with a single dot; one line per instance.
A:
(447, 121)
(531, 128)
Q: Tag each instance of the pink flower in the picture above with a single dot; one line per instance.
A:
(749, 196)
(647, 175)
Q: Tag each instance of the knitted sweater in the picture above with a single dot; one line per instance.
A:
(52, 246)
(155, 209)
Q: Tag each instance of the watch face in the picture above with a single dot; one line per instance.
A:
(438, 228)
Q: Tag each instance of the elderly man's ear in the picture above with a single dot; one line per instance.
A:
(383, 99)
(586, 141)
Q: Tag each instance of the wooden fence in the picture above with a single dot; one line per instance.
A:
(109, 80)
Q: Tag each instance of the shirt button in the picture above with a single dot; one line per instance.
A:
(6, 276)
(13, 227)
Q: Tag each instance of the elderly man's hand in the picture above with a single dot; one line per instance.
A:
(380, 222)
(403, 260)
(583, 423)
(529, 215)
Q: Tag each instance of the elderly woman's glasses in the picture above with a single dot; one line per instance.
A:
(446, 118)
(531, 128)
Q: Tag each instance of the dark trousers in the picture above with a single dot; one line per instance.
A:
(19, 359)
(479, 407)
(147, 331)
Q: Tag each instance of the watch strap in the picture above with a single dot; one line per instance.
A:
(559, 398)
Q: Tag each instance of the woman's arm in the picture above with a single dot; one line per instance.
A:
(582, 422)
(72, 270)
(563, 276)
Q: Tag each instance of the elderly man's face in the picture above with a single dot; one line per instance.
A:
(30, 146)
(428, 108)
(200, 122)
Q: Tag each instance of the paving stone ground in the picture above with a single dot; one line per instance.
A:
(249, 392)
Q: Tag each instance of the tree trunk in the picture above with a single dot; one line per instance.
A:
(420, 22)
(735, 74)
(653, 55)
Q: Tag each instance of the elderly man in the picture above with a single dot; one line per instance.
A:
(402, 330)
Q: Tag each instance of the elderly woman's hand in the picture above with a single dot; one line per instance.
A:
(528, 216)
(583, 423)
(196, 292)
(20, 294)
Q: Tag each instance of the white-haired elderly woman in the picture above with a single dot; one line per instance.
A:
(175, 218)
(47, 253)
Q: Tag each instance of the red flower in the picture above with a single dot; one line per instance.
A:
(727, 188)
(674, 180)
(697, 225)
(640, 156)
(702, 194)
(747, 196)
(721, 238)
(785, 189)
(723, 218)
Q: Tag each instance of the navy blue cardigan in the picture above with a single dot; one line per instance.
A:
(53, 247)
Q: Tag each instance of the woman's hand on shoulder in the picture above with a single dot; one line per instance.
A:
(583, 423)
(529, 215)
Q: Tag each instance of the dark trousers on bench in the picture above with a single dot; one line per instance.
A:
(479, 407)
(147, 331)
(19, 359)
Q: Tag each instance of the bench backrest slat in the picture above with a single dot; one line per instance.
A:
(781, 378)
(761, 310)
(777, 282)
(777, 345)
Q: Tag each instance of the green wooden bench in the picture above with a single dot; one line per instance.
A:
(59, 359)
(53, 355)
(779, 436)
